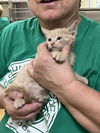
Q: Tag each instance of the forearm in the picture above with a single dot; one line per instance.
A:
(1, 97)
(83, 103)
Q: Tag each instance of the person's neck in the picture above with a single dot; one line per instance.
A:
(59, 24)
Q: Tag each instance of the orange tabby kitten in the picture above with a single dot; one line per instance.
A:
(32, 91)
(56, 39)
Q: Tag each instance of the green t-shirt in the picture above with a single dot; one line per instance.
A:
(19, 45)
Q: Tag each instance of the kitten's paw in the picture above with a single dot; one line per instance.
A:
(42, 99)
(42, 96)
(18, 103)
(58, 56)
(82, 79)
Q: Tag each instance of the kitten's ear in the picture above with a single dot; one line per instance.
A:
(45, 31)
(73, 28)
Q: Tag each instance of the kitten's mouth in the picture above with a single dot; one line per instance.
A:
(46, 1)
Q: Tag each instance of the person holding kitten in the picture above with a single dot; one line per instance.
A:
(72, 106)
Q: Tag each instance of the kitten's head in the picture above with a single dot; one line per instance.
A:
(57, 38)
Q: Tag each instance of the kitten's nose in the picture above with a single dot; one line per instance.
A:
(52, 43)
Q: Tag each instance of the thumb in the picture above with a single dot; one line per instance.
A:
(30, 68)
(42, 49)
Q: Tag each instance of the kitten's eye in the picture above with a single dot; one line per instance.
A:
(58, 38)
(49, 39)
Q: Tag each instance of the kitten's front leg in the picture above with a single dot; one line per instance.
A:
(58, 56)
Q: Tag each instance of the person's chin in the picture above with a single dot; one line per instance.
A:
(50, 17)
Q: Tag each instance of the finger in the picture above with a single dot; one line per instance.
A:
(28, 108)
(9, 107)
(42, 50)
(23, 113)
(30, 67)
(66, 49)
(70, 42)
(29, 116)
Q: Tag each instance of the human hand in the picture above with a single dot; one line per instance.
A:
(61, 81)
(28, 111)
(49, 73)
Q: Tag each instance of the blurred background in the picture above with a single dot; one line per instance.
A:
(18, 9)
